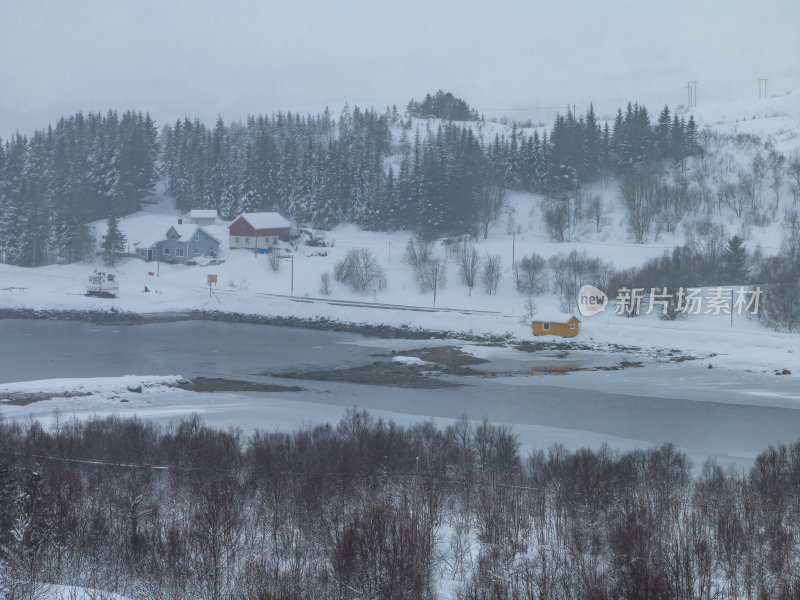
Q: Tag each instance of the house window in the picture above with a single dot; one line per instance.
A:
(166, 251)
(143, 253)
(196, 237)
(178, 251)
(545, 326)
(236, 239)
(246, 240)
(196, 251)
(572, 325)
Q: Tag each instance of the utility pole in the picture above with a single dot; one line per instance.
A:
(435, 281)
(514, 249)
(291, 292)
(760, 81)
(691, 88)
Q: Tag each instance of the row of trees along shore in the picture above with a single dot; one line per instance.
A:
(371, 509)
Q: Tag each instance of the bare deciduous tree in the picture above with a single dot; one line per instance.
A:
(564, 218)
(573, 270)
(638, 192)
(595, 211)
(274, 260)
(468, 261)
(432, 275)
(360, 270)
(325, 284)
(490, 204)
(492, 271)
(781, 287)
(418, 252)
(530, 275)
(793, 169)
(790, 245)
(357, 509)
(777, 168)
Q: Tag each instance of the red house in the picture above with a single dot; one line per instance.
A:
(255, 231)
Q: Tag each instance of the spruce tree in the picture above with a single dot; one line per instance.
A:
(734, 260)
(663, 133)
(113, 241)
(677, 144)
(692, 142)
(593, 140)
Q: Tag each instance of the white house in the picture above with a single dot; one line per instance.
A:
(182, 243)
(203, 217)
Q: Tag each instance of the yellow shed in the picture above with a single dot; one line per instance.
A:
(569, 328)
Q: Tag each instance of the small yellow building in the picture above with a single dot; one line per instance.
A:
(569, 328)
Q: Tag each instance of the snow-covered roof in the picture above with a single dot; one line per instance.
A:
(553, 317)
(186, 231)
(203, 214)
(148, 241)
(265, 220)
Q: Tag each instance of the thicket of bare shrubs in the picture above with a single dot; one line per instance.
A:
(360, 270)
(370, 509)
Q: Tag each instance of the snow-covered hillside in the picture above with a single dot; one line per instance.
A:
(247, 283)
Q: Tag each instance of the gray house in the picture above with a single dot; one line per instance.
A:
(182, 244)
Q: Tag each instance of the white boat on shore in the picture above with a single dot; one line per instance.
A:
(102, 284)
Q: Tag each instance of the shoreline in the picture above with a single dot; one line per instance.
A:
(118, 317)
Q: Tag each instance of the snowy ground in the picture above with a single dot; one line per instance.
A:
(69, 592)
(245, 279)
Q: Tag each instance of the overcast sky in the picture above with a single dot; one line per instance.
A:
(234, 58)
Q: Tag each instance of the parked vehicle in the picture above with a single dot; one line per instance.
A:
(104, 285)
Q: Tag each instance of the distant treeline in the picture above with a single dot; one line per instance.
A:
(317, 169)
(370, 509)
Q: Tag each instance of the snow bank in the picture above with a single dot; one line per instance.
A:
(409, 360)
(94, 385)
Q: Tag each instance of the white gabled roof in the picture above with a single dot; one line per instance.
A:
(203, 214)
(265, 220)
(186, 231)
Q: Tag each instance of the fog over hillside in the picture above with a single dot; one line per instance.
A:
(238, 58)
(448, 300)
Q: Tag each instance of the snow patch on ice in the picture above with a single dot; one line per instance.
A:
(409, 360)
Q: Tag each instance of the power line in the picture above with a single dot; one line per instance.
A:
(378, 474)
(524, 108)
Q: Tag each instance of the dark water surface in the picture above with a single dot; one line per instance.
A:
(710, 413)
